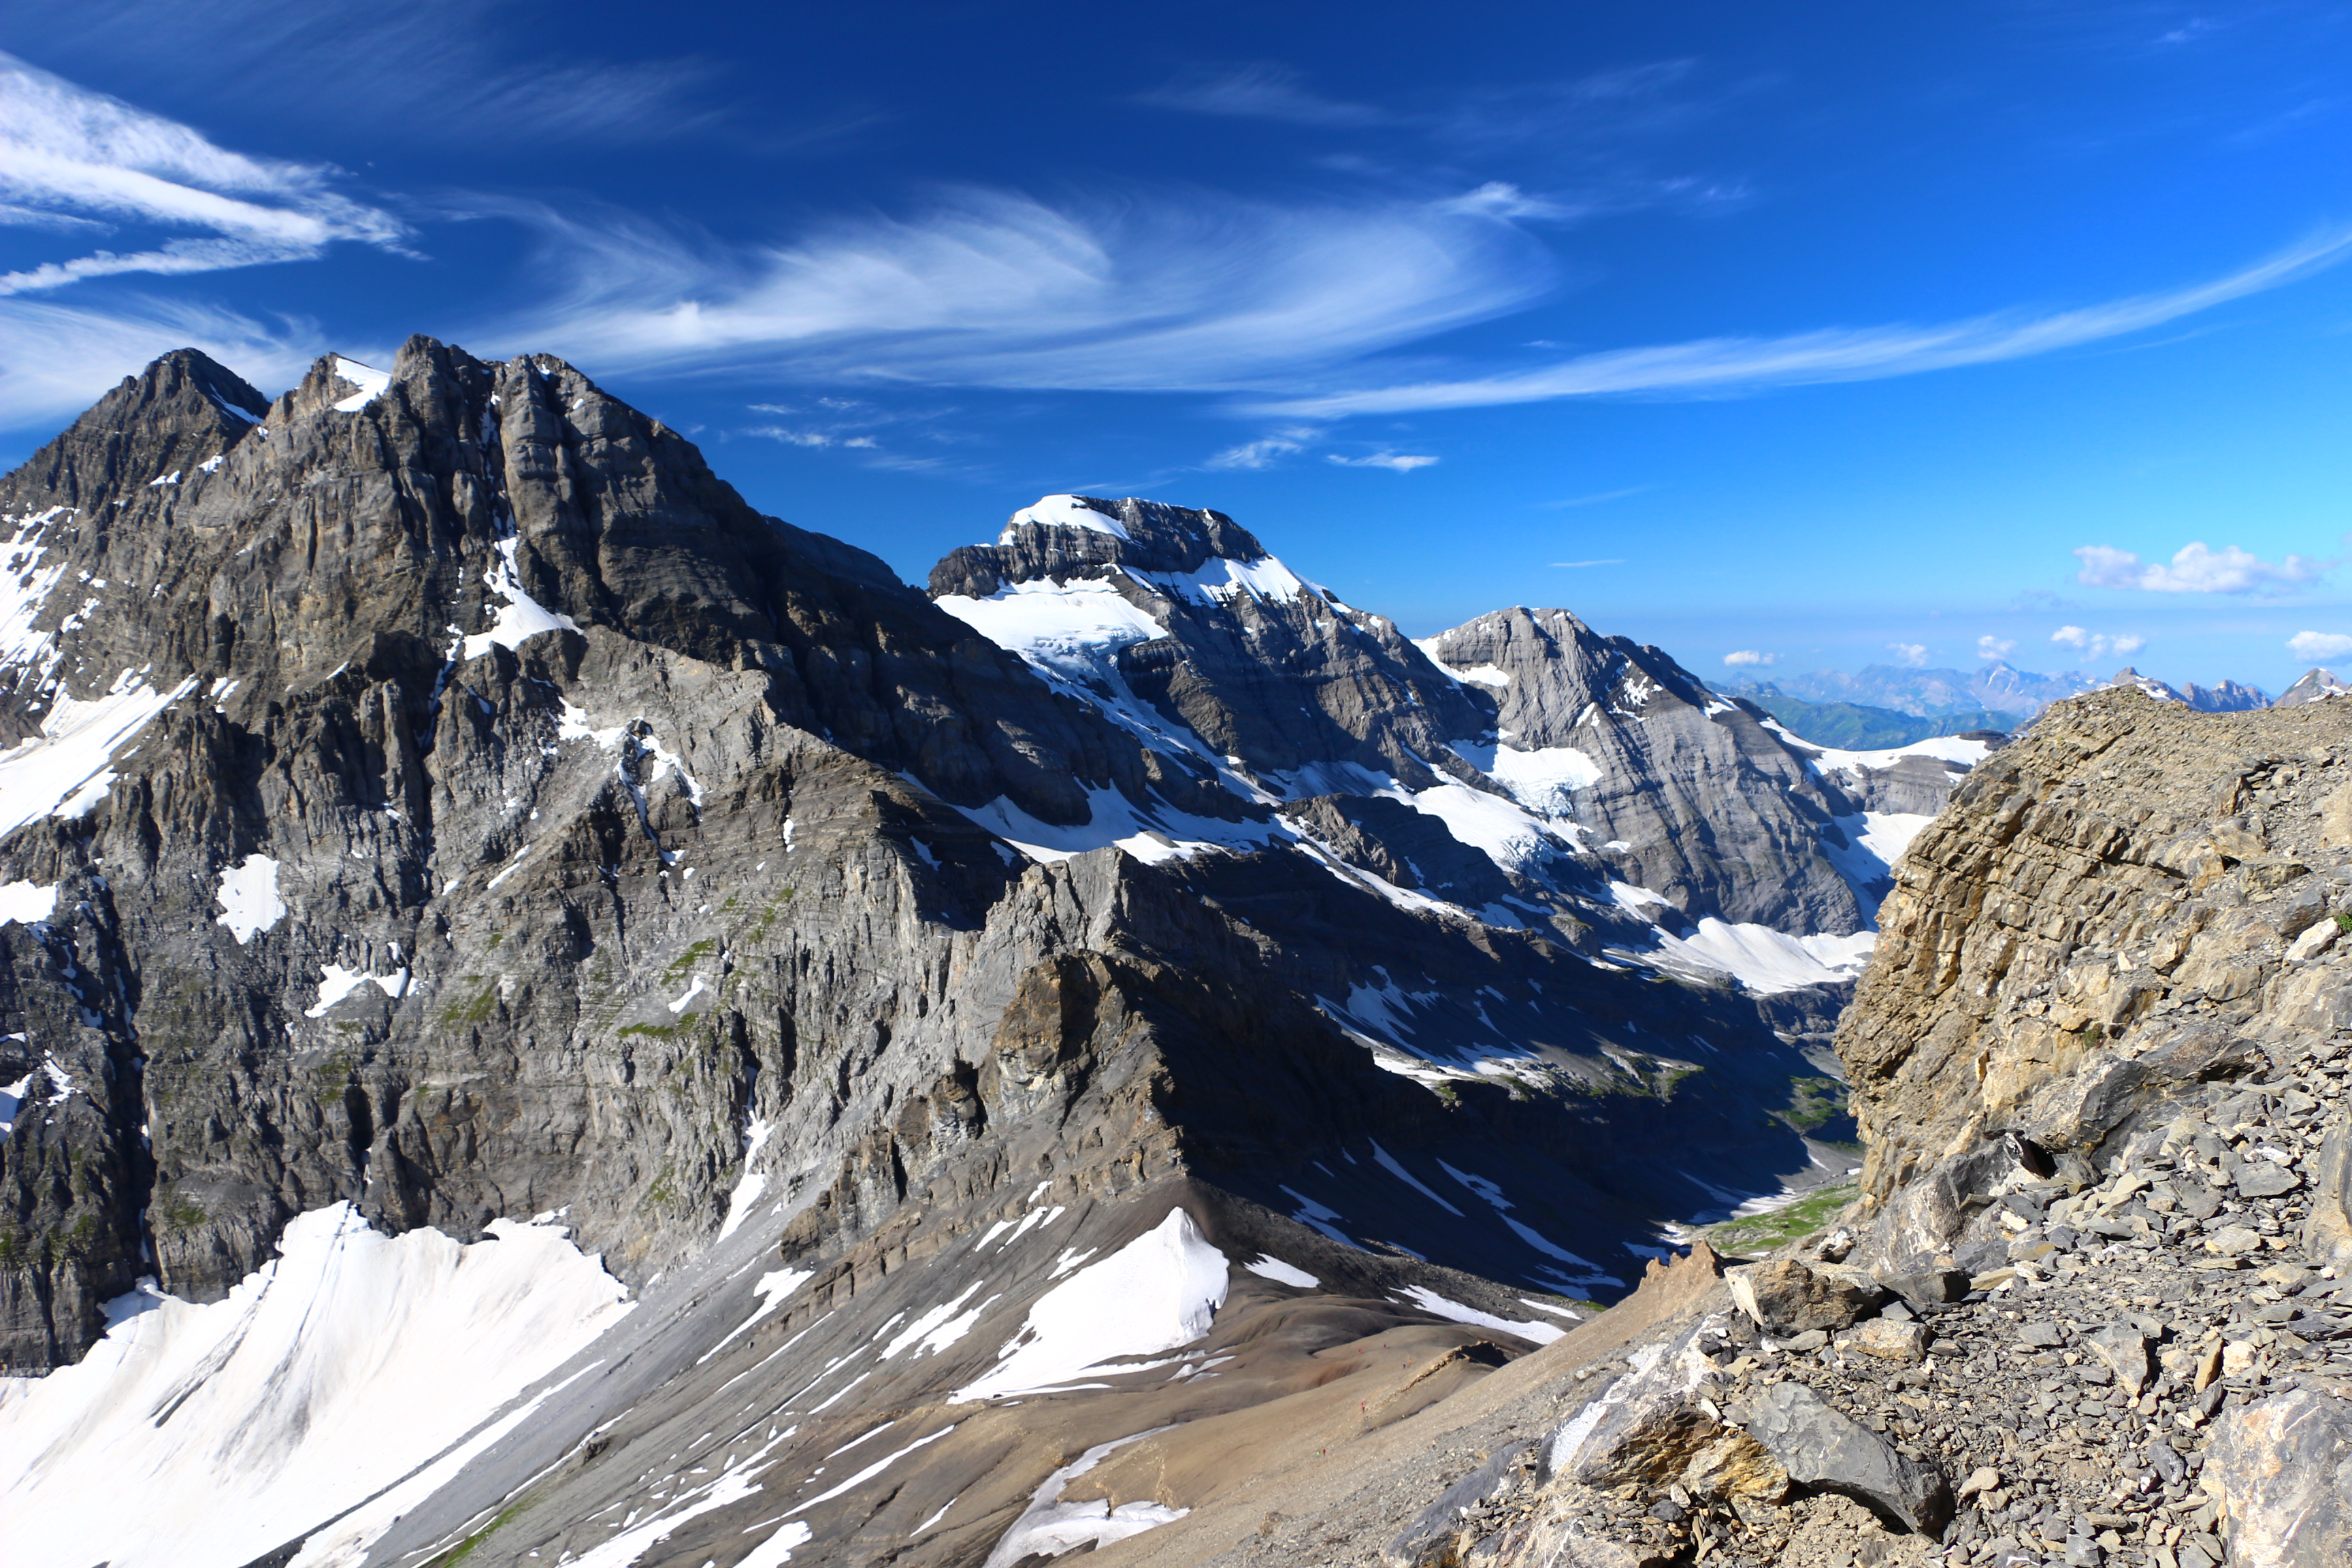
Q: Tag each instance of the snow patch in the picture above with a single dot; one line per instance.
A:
(752, 1183)
(370, 381)
(1064, 511)
(1764, 960)
(1049, 1527)
(335, 983)
(521, 617)
(938, 1328)
(1438, 1305)
(1159, 1291)
(64, 771)
(772, 1289)
(26, 902)
(1543, 780)
(1268, 1267)
(248, 898)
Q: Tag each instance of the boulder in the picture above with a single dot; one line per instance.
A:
(2282, 1467)
(2123, 1347)
(1787, 1297)
(1822, 1447)
(1648, 1426)
(1929, 1288)
(2264, 1179)
(1435, 1538)
(1889, 1340)
(2327, 1229)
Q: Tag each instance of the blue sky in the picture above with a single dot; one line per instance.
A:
(1837, 334)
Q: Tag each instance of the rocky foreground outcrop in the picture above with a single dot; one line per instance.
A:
(2093, 1309)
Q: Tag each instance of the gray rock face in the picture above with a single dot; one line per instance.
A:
(1822, 1447)
(2283, 1465)
(1690, 797)
(2224, 697)
(1259, 666)
(445, 671)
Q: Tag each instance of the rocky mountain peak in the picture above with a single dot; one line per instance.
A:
(168, 420)
(2314, 685)
(1065, 535)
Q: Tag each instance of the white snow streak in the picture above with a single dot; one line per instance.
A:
(1438, 1305)
(370, 381)
(1268, 1267)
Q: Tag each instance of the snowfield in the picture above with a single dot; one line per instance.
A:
(342, 1366)
(1156, 1293)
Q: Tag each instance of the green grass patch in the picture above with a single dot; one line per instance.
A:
(477, 1011)
(1765, 1232)
(1814, 1103)
(465, 1548)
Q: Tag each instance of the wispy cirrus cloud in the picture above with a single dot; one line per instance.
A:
(1567, 114)
(1262, 91)
(1395, 462)
(2195, 568)
(1265, 451)
(478, 71)
(57, 358)
(1156, 290)
(79, 161)
(1734, 367)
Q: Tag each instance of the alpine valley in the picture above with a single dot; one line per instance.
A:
(551, 1018)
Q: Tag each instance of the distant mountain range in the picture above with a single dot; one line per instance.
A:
(1998, 695)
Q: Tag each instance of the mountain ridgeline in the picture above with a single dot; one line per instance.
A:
(445, 823)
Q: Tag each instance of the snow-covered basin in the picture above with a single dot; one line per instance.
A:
(204, 1436)
(1944, 748)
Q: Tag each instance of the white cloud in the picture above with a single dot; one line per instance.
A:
(461, 71)
(1749, 656)
(1910, 654)
(2196, 569)
(2097, 645)
(1721, 365)
(1262, 91)
(1612, 561)
(1264, 452)
(2313, 647)
(67, 154)
(1500, 198)
(1154, 293)
(58, 359)
(1995, 648)
(1397, 462)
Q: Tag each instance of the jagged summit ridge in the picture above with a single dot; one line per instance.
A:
(1065, 535)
